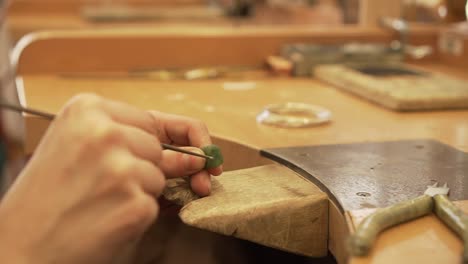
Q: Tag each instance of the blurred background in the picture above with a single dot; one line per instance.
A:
(31, 15)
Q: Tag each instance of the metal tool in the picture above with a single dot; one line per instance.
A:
(20, 109)
(50, 116)
(435, 199)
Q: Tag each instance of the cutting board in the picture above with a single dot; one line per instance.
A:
(397, 87)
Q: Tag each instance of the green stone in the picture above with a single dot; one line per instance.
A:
(215, 152)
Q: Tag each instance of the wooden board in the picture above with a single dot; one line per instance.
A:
(353, 119)
(407, 90)
(73, 6)
(269, 205)
(165, 46)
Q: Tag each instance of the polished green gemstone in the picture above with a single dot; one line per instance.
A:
(215, 152)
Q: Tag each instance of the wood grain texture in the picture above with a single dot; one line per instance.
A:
(27, 16)
(354, 120)
(430, 91)
(339, 227)
(165, 46)
(154, 46)
(425, 240)
(73, 6)
(269, 205)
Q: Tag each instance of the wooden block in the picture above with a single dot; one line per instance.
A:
(407, 90)
(269, 205)
(338, 233)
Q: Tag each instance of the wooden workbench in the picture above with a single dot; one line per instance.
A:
(26, 16)
(47, 85)
(354, 120)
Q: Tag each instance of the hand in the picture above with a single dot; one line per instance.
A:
(184, 131)
(88, 193)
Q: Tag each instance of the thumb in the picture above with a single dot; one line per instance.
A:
(176, 164)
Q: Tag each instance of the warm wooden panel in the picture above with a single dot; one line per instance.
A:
(172, 46)
(95, 50)
(370, 11)
(353, 120)
(27, 16)
(71, 6)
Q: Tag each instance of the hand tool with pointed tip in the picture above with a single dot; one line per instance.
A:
(50, 116)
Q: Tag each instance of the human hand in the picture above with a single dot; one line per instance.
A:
(88, 193)
(183, 131)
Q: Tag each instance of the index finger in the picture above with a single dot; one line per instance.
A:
(181, 130)
(130, 115)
